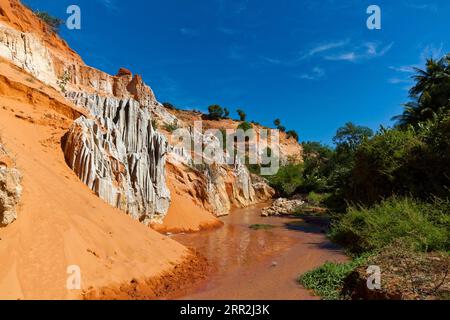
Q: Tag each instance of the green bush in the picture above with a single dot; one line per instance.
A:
(170, 106)
(52, 22)
(215, 112)
(288, 179)
(327, 280)
(245, 126)
(316, 199)
(292, 134)
(382, 167)
(242, 115)
(171, 127)
(366, 229)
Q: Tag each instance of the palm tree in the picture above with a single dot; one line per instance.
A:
(430, 94)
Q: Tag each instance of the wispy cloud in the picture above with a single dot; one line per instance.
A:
(368, 50)
(422, 6)
(404, 69)
(271, 60)
(432, 51)
(189, 32)
(321, 48)
(399, 80)
(235, 52)
(227, 31)
(316, 74)
(232, 7)
(404, 72)
(109, 4)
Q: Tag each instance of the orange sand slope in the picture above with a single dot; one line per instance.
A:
(60, 221)
(184, 214)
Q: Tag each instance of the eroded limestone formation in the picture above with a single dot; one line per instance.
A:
(118, 155)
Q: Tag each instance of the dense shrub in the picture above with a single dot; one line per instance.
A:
(316, 199)
(364, 229)
(382, 167)
(288, 179)
(215, 112)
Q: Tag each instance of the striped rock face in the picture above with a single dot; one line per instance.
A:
(119, 156)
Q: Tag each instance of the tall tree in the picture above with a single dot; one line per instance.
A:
(430, 95)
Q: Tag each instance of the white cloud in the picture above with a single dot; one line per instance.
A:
(235, 53)
(109, 4)
(431, 51)
(227, 31)
(324, 47)
(271, 60)
(404, 69)
(189, 32)
(422, 6)
(428, 51)
(316, 74)
(399, 80)
(366, 51)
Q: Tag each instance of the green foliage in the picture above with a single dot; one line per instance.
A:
(364, 229)
(350, 136)
(316, 199)
(169, 106)
(404, 162)
(277, 122)
(154, 124)
(430, 94)
(226, 113)
(216, 112)
(242, 115)
(245, 126)
(327, 281)
(52, 22)
(288, 179)
(292, 134)
(63, 81)
(171, 127)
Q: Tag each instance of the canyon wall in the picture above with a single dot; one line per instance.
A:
(114, 148)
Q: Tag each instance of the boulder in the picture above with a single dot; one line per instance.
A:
(282, 207)
(10, 189)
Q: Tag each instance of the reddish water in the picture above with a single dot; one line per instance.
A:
(260, 264)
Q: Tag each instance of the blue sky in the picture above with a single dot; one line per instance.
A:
(313, 64)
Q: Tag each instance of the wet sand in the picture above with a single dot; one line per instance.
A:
(260, 264)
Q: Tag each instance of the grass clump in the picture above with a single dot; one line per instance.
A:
(316, 199)
(171, 127)
(424, 226)
(327, 280)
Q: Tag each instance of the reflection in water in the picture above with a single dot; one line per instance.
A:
(236, 245)
(260, 264)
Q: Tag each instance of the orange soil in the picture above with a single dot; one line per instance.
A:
(16, 15)
(185, 215)
(60, 221)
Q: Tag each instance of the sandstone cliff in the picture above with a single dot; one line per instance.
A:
(113, 147)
